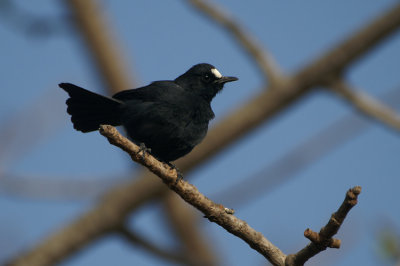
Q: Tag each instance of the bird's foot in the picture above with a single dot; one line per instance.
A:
(144, 150)
(179, 173)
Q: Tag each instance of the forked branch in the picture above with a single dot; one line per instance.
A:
(324, 239)
(224, 217)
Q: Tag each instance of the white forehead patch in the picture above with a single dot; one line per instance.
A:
(216, 73)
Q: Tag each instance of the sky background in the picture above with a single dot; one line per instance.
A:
(161, 40)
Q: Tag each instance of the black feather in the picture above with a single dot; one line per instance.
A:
(89, 110)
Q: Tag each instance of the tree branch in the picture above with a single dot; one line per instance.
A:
(217, 213)
(263, 59)
(367, 104)
(322, 240)
(214, 212)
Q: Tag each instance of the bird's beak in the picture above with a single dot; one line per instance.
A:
(224, 80)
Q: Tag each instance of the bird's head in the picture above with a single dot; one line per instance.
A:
(204, 80)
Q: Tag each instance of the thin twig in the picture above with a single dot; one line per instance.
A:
(367, 104)
(214, 212)
(322, 240)
(264, 60)
(135, 239)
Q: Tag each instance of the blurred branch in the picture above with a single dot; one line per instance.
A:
(101, 43)
(263, 59)
(322, 240)
(312, 149)
(184, 221)
(137, 240)
(119, 202)
(367, 104)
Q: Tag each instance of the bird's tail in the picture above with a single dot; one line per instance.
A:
(89, 110)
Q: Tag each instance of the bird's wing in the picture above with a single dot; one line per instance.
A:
(160, 105)
(150, 93)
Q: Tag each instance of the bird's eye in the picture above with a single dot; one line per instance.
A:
(206, 77)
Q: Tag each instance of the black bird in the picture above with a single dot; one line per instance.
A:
(169, 117)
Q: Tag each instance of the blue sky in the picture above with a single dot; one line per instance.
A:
(160, 40)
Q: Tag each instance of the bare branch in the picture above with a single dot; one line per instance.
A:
(263, 59)
(214, 212)
(135, 239)
(367, 104)
(317, 239)
(322, 240)
(217, 213)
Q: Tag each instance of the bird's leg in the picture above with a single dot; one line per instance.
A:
(180, 176)
(143, 150)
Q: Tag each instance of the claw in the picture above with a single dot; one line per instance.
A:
(179, 173)
(143, 150)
